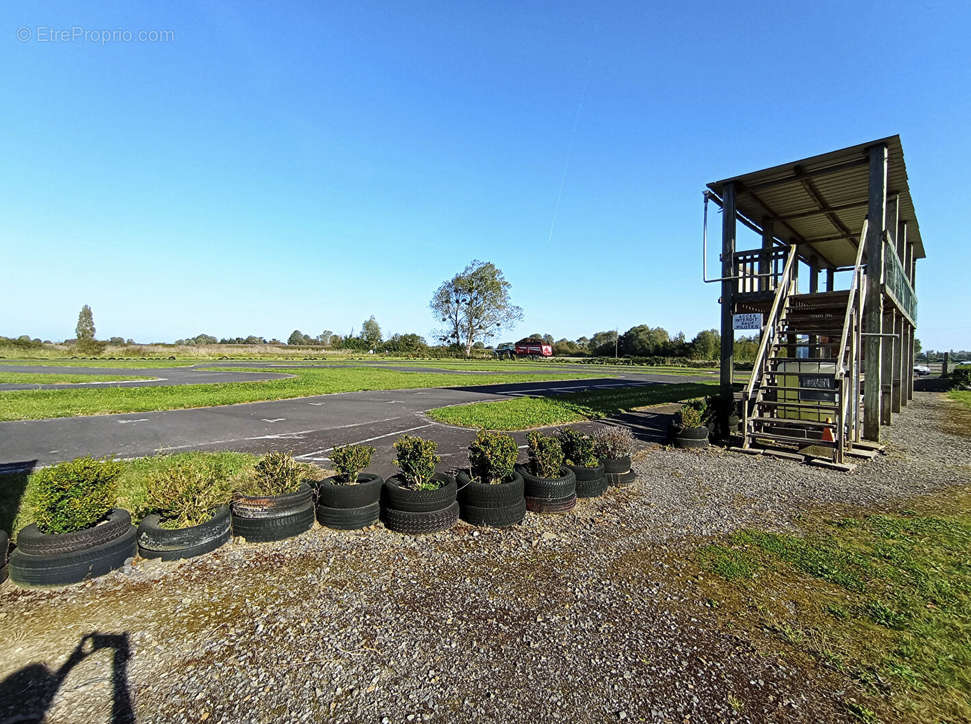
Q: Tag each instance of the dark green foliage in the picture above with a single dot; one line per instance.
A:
(74, 495)
(729, 563)
(578, 448)
(276, 473)
(545, 455)
(691, 414)
(492, 457)
(186, 493)
(417, 459)
(350, 461)
(961, 376)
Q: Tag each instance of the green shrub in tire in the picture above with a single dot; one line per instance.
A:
(275, 504)
(548, 485)
(491, 493)
(77, 534)
(418, 500)
(352, 498)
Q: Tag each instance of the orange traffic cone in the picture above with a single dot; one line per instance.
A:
(828, 432)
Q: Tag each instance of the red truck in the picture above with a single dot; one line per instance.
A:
(533, 347)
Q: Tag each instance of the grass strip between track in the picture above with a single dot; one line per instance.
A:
(521, 413)
(57, 378)
(41, 404)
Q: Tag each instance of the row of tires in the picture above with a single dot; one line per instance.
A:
(54, 560)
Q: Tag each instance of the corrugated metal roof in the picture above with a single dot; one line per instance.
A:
(827, 211)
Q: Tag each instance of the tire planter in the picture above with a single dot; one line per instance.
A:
(591, 482)
(59, 560)
(419, 511)
(348, 507)
(549, 495)
(618, 471)
(4, 544)
(272, 518)
(497, 506)
(691, 437)
(171, 545)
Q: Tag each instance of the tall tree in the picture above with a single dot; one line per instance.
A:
(296, 337)
(706, 344)
(474, 305)
(371, 332)
(85, 328)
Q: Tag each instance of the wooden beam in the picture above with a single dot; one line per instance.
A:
(910, 269)
(812, 174)
(886, 368)
(768, 231)
(873, 312)
(729, 231)
(897, 355)
(904, 364)
(808, 213)
(830, 279)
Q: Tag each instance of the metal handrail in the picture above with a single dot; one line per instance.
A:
(857, 273)
(777, 302)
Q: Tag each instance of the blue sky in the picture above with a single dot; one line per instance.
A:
(278, 166)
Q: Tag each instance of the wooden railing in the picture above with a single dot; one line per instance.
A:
(848, 366)
(758, 270)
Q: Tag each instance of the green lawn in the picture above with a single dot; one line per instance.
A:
(884, 599)
(39, 404)
(962, 396)
(520, 413)
(55, 378)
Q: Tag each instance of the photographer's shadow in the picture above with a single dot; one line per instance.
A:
(26, 695)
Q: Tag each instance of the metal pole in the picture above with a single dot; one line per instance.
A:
(728, 290)
(873, 322)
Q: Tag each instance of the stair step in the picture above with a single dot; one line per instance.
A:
(826, 406)
(792, 439)
(802, 359)
(785, 422)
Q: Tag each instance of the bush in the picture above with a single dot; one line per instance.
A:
(578, 448)
(545, 455)
(417, 459)
(185, 494)
(89, 347)
(74, 495)
(492, 457)
(276, 473)
(691, 414)
(613, 442)
(350, 461)
(961, 376)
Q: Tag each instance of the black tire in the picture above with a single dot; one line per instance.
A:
(4, 544)
(621, 480)
(617, 466)
(484, 495)
(61, 569)
(171, 545)
(265, 530)
(418, 501)
(272, 506)
(591, 482)
(549, 488)
(494, 517)
(551, 505)
(116, 524)
(420, 522)
(691, 438)
(349, 518)
(366, 491)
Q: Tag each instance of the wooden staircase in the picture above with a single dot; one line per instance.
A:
(803, 394)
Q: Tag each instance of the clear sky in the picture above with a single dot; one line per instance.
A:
(261, 167)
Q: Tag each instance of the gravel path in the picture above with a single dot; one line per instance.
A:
(581, 616)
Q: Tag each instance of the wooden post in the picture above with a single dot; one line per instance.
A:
(910, 268)
(813, 274)
(728, 289)
(873, 322)
(946, 364)
(897, 344)
(765, 262)
(904, 363)
(830, 279)
(886, 367)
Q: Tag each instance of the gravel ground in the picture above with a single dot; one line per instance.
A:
(582, 615)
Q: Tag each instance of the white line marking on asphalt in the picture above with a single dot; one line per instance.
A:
(125, 422)
(316, 404)
(275, 419)
(277, 436)
(370, 439)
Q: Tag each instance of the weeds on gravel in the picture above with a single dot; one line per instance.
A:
(525, 412)
(885, 599)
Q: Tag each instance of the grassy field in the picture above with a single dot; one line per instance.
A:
(39, 404)
(134, 364)
(54, 378)
(962, 396)
(885, 599)
(520, 413)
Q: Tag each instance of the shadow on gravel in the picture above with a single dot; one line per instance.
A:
(26, 695)
(652, 426)
(13, 482)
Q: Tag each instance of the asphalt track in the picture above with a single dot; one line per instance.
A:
(309, 427)
(160, 376)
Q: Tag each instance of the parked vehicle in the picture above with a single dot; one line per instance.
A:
(921, 370)
(506, 350)
(533, 347)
